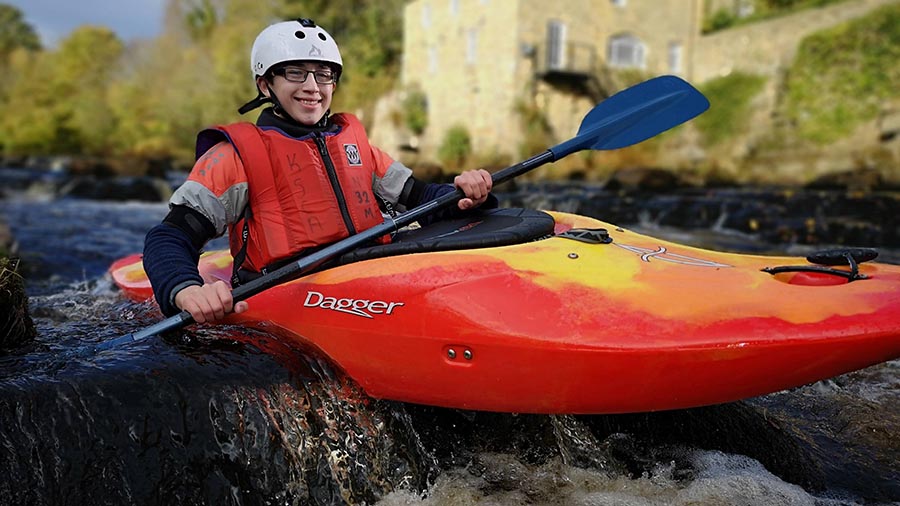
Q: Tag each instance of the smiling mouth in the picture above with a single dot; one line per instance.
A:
(308, 101)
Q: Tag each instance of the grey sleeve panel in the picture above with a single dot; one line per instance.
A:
(391, 185)
(220, 211)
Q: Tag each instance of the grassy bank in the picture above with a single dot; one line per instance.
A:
(843, 75)
(730, 99)
(763, 10)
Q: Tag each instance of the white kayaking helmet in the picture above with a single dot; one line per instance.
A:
(294, 40)
(297, 40)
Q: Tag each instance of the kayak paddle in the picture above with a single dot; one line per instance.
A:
(628, 117)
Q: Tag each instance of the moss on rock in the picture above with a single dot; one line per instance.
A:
(16, 326)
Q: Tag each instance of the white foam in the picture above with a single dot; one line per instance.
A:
(721, 479)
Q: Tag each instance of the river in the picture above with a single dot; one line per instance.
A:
(227, 416)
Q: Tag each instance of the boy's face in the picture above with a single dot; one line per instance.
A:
(305, 101)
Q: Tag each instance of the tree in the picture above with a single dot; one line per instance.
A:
(16, 36)
(26, 124)
(94, 96)
(84, 65)
(58, 102)
(201, 20)
(15, 32)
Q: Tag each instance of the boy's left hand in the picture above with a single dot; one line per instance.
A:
(476, 184)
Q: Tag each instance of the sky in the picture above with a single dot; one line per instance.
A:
(55, 19)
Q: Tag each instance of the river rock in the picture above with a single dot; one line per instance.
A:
(648, 179)
(862, 180)
(16, 326)
(146, 189)
(159, 423)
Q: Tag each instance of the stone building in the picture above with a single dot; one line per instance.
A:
(484, 64)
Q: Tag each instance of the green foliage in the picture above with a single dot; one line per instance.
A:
(456, 147)
(781, 4)
(763, 10)
(85, 97)
(720, 20)
(15, 32)
(58, 100)
(841, 75)
(201, 19)
(730, 98)
(18, 42)
(415, 111)
(536, 129)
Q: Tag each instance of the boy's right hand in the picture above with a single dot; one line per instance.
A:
(208, 302)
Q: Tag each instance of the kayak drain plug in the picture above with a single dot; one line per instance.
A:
(573, 256)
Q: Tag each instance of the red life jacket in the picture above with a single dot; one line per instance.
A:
(302, 193)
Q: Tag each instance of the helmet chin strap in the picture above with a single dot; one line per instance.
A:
(262, 99)
(253, 104)
(278, 109)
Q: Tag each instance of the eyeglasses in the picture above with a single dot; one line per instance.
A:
(298, 75)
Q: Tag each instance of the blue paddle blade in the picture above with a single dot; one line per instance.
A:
(636, 114)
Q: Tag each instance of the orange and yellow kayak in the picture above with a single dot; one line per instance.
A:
(587, 318)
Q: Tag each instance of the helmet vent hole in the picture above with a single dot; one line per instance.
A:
(299, 34)
(322, 36)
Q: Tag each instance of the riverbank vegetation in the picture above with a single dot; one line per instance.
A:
(732, 95)
(758, 10)
(95, 96)
(841, 76)
(92, 95)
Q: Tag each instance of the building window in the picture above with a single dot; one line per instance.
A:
(619, 3)
(454, 7)
(472, 46)
(675, 49)
(556, 45)
(432, 60)
(426, 16)
(626, 51)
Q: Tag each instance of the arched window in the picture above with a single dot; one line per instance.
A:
(626, 51)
